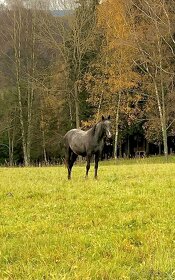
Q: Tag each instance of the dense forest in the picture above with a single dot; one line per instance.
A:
(64, 64)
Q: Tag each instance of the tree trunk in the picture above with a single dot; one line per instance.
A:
(31, 87)
(17, 49)
(164, 128)
(99, 105)
(44, 148)
(162, 121)
(116, 126)
(147, 147)
(11, 147)
(128, 148)
(160, 149)
(43, 138)
(120, 149)
(70, 110)
(165, 144)
(77, 117)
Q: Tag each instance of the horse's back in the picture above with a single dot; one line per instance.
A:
(73, 132)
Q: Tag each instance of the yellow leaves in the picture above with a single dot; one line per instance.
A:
(112, 19)
(113, 72)
(87, 124)
(88, 77)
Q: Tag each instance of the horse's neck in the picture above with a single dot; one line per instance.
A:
(99, 132)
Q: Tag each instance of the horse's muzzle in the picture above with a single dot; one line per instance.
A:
(108, 135)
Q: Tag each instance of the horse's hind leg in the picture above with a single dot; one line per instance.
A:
(72, 159)
(88, 164)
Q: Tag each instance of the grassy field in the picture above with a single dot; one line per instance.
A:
(121, 226)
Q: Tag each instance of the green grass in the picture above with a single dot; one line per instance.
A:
(121, 226)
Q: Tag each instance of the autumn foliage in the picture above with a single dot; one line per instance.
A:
(63, 70)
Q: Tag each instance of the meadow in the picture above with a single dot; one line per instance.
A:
(121, 226)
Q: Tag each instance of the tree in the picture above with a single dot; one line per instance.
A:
(115, 74)
(20, 28)
(73, 37)
(152, 22)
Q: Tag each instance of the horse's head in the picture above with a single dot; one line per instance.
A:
(107, 126)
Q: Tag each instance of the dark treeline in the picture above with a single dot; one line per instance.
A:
(65, 63)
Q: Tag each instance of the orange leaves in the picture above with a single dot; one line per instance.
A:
(113, 73)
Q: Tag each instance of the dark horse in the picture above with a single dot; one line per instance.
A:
(86, 143)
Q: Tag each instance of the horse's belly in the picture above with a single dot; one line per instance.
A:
(78, 151)
(78, 147)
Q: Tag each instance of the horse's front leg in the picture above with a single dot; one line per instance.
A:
(88, 164)
(96, 164)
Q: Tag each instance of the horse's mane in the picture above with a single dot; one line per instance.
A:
(94, 128)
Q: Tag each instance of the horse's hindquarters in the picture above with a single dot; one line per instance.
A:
(77, 143)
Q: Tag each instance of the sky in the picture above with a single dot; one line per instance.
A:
(55, 3)
(68, 2)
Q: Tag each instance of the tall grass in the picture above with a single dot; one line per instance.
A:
(121, 226)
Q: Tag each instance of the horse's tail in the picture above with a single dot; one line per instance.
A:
(66, 151)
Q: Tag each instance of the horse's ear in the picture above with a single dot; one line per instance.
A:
(102, 118)
(109, 117)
